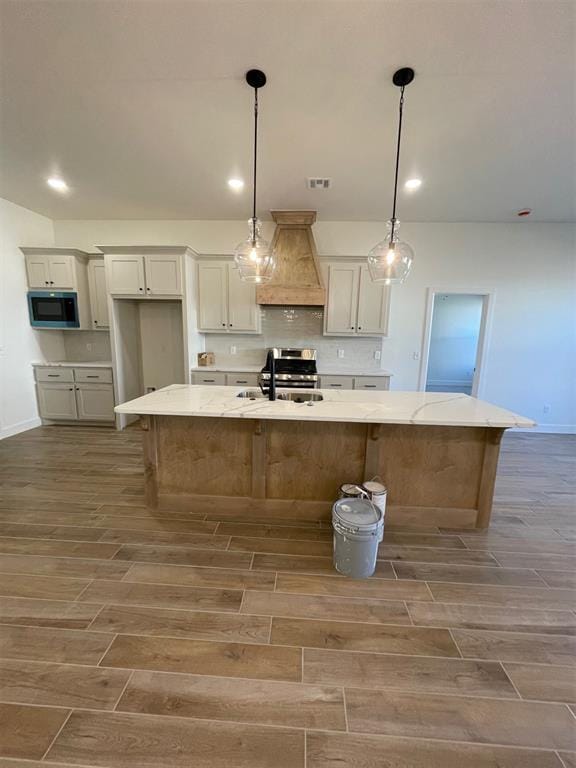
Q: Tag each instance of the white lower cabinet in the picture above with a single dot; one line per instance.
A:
(242, 379)
(75, 394)
(95, 402)
(372, 382)
(381, 383)
(336, 382)
(208, 379)
(57, 401)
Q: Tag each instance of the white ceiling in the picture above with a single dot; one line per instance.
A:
(142, 107)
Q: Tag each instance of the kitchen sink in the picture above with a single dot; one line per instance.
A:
(251, 394)
(300, 397)
(294, 397)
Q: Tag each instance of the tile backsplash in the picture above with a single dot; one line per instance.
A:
(87, 346)
(295, 327)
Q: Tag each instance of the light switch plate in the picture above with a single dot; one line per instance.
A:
(340, 353)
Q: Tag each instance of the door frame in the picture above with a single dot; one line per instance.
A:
(489, 296)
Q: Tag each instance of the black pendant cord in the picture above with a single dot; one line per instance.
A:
(255, 166)
(401, 109)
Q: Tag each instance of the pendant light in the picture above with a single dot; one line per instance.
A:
(254, 256)
(390, 260)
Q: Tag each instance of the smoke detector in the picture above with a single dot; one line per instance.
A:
(318, 182)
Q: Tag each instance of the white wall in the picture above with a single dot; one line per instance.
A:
(454, 338)
(19, 344)
(531, 359)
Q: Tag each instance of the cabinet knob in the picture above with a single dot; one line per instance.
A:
(359, 327)
(140, 289)
(148, 289)
(224, 324)
(230, 325)
(351, 327)
(95, 322)
(71, 389)
(51, 282)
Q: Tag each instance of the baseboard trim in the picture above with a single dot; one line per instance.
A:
(22, 426)
(550, 429)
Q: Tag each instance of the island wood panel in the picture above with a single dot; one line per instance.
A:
(310, 460)
(436, 475)
(204, 455)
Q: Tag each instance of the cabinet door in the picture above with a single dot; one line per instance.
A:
(98, 294)
(37, 269)
(163, 275)
(340, 315)
(373, 306)
(243, 312)
(125, 275)
(61, 272)
(212, 281)
(57, 401)
(95, 402)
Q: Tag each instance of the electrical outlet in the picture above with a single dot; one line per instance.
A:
(547, 408)
(340, 353)
(89, 347)
(377, 355)
(415, 355)
(233, 349)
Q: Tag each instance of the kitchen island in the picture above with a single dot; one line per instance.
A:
(207, 450)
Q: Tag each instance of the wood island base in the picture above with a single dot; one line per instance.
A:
(435, 475)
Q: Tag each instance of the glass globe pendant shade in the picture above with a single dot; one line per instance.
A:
(254, 257)
(390, 260)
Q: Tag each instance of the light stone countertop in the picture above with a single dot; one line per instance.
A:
(69, 364)
(322, 371)
(424, 408)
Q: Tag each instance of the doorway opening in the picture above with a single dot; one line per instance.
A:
(455, 340)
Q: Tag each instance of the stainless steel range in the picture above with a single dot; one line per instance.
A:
(295, 368)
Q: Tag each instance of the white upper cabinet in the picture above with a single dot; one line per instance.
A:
(37, 268)
(212, 296)
(356, 306)
(61, 272)
(125, 274)
(98, 294)
(373, 306)
(342, 299)
(51, 272)
(243, 312)
(226, 304)
(133, 274)
(163, 275)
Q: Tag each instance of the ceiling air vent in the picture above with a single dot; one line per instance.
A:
(314, 182)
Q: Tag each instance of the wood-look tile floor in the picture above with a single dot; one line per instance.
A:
(132, 639)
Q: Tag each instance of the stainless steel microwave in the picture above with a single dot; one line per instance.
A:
(52, 309)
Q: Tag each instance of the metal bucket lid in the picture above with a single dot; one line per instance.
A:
(375, 488)
(352, 490)
(357, 513)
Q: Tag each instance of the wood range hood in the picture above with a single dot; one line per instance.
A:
(297, 279)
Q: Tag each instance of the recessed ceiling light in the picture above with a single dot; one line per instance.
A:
(236, 184)
(58, 184)
(413, 184)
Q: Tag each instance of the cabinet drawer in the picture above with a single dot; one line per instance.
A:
(336, 382)
(54, 374)
(242, 379)
(93, 375)
(210, 378)
(372, 382)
